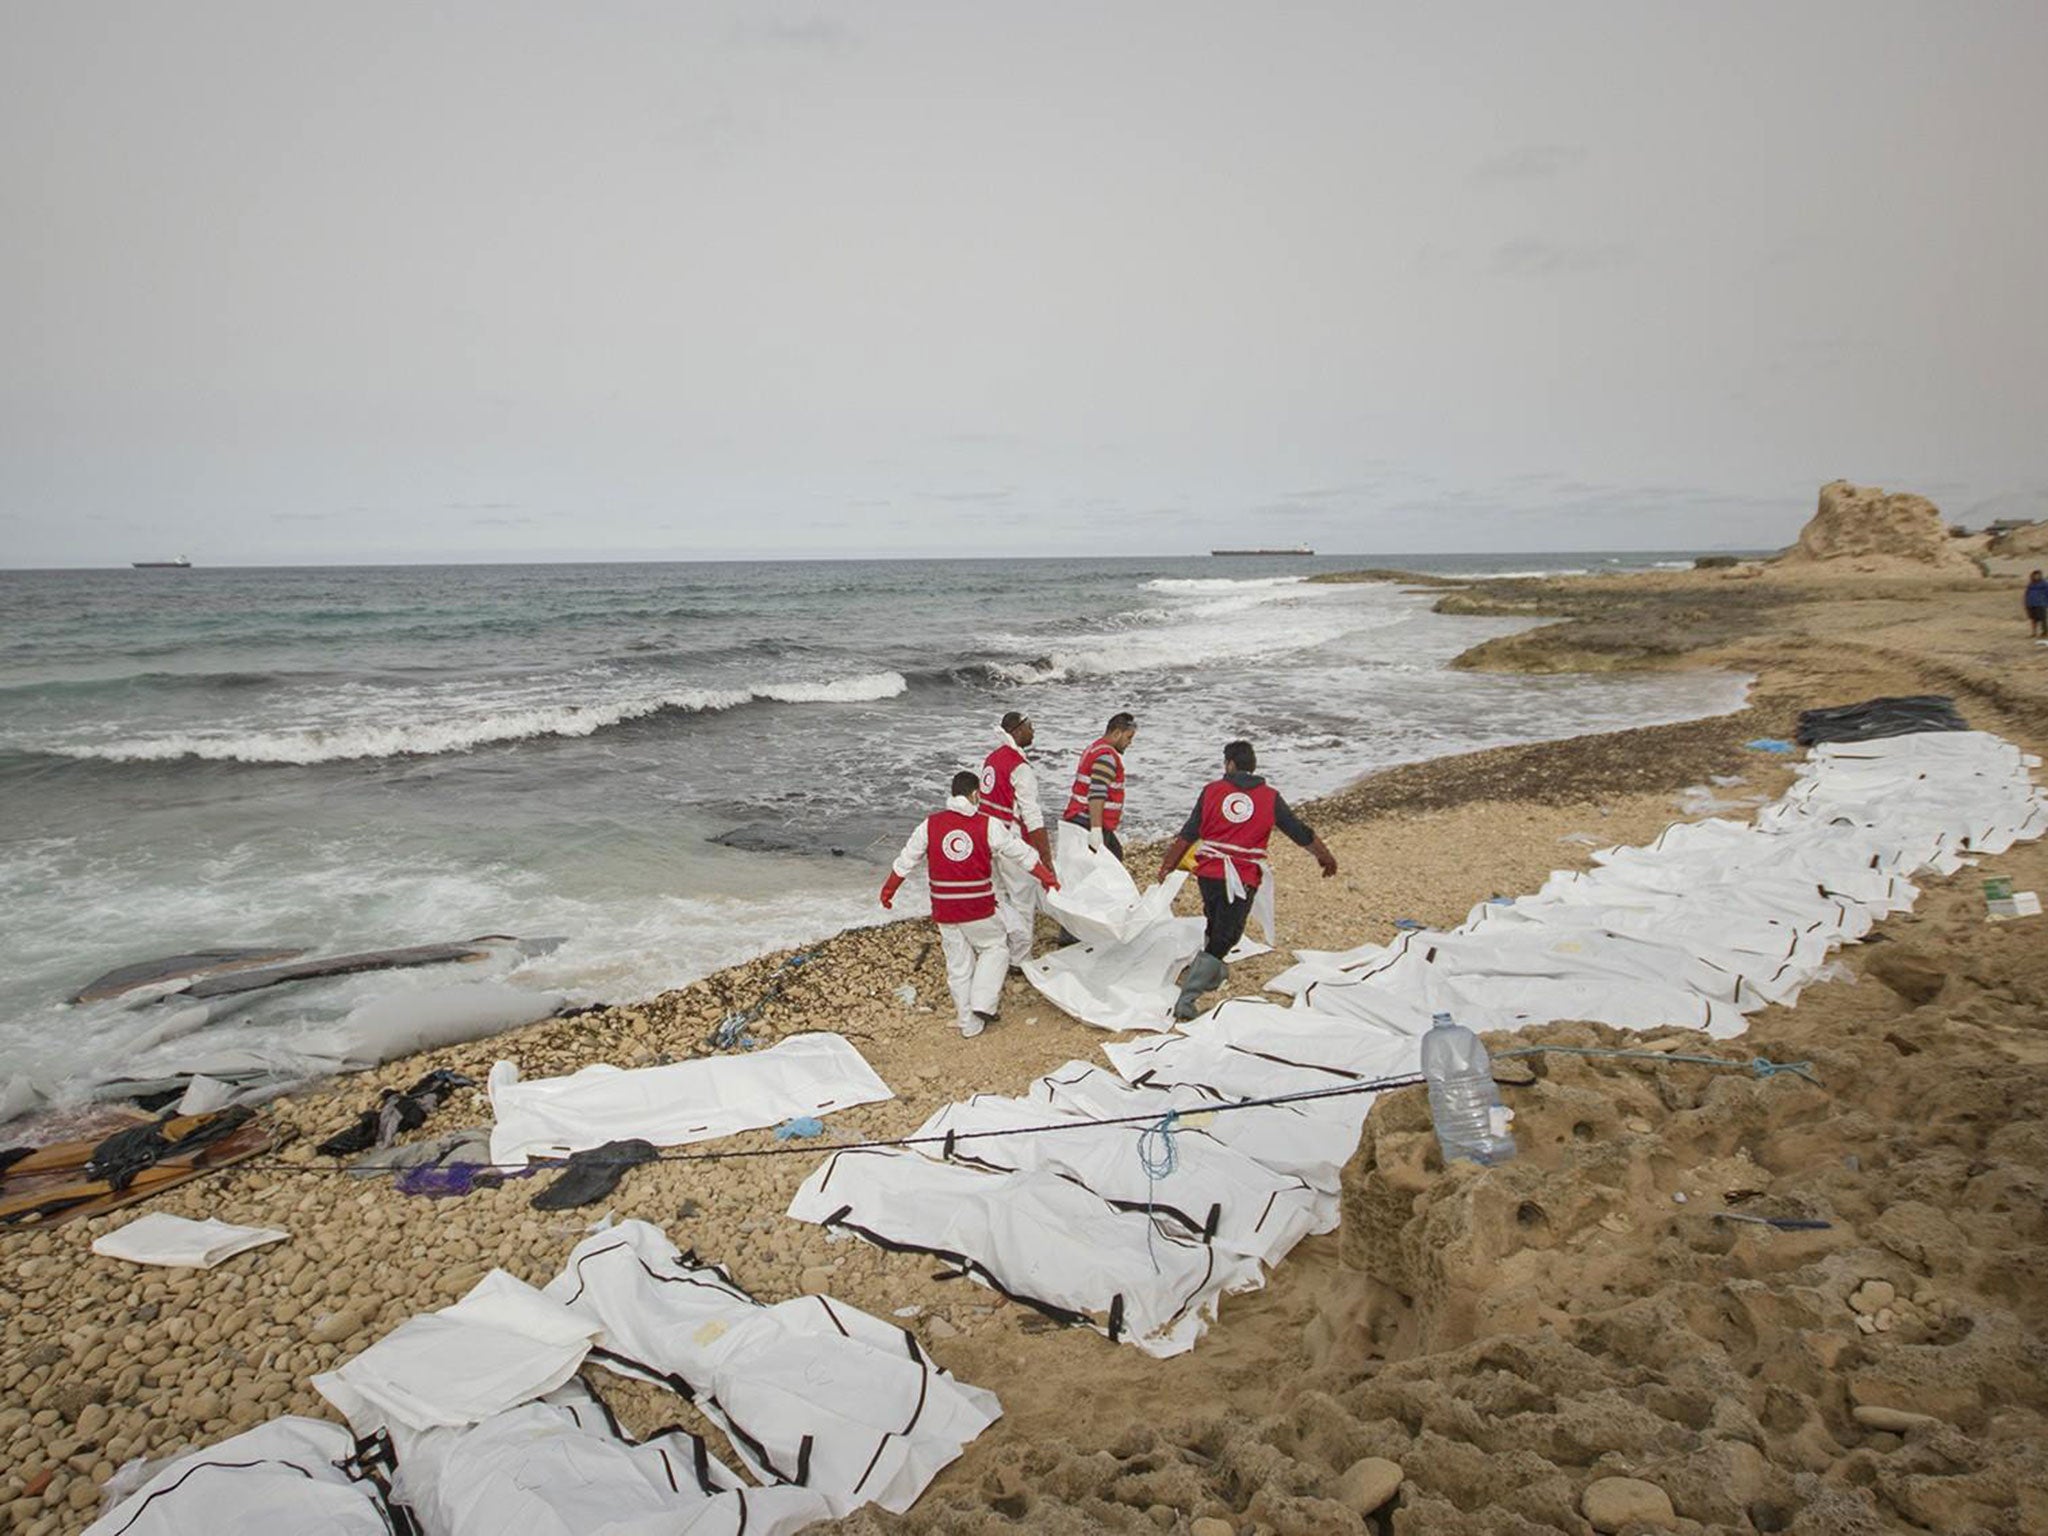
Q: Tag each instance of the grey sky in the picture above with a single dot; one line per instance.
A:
(292, 282)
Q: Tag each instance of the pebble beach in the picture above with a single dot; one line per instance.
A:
(1559, 1343)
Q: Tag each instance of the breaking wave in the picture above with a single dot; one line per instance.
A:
(345, 740)
(1219, 583)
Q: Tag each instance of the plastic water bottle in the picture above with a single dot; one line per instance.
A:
(1471, 1122)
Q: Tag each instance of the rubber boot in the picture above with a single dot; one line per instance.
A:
(1204, 974)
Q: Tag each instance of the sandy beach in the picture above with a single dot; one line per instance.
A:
(1503, 1337)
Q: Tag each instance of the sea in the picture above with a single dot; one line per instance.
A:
(665, 767)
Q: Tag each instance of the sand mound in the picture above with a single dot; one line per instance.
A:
(1874, 529)
(2022, 541)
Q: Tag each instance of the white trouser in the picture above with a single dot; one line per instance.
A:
(977, 959)
(1016, 907)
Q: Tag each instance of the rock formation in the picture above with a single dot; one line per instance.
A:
(1872, 529)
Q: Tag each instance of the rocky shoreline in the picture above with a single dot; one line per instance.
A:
(1502, 1340)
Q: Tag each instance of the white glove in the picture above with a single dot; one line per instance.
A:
(1095, 838)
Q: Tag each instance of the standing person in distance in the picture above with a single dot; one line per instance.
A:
(961, 847)
(2037, 604)
(1229, 827)
(1097, 800)
(1009, 794)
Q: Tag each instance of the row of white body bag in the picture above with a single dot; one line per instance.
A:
(1089, 1222)
(486, 1426)
(1710, 922)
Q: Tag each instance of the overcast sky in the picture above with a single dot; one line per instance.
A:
(344, 282)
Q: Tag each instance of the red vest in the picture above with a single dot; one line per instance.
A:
(1113, 806)
(998, 788)
(960, 866)
(1236, 822)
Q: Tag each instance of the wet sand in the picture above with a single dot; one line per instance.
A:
(1506, 1337)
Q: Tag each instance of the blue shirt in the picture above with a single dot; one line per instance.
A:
(2037, 594)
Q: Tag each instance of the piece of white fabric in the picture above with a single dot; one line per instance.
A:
(977, 961)
(812, 1074)
(1017, 893)
(1121, 986)
(1038, 1238)
(557, 1469)
(501, 1345)
(1709, 922)
(204, 1095)
(1210, 1188)
(178, 1241)
(1306, 1141)
(1272, 1057)
(1265, 907)
(278, 1477)
(1098, 902)
(809, 1387)
(1713, 919)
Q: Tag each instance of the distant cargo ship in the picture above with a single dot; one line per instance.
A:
(182, 563)
(1299, 549)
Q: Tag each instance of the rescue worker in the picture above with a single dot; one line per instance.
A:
(1228, 829)
(1097, 799)
(1009, 793)
(961, 847)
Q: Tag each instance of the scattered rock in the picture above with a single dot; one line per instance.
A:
(939, 1328)
(1872, 1297)
(1612, 1503)
(1895, 1420)
(1368, 1483)
(334, 1327)
(1209, 1525)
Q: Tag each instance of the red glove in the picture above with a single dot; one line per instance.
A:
(890, 887)
(1043, 874)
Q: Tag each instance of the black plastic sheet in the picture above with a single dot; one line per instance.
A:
(1876, 718)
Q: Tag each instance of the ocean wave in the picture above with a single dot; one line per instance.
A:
(1181, 647)
(1218, 583)
(348, 740)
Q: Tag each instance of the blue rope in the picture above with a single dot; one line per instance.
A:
(1159, 1157)
(1156, 1150)
(731, 1030)
(1759, 1065)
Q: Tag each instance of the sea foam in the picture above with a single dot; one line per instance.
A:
(343, 740)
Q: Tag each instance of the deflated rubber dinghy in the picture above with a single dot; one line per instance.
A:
(154, 973)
